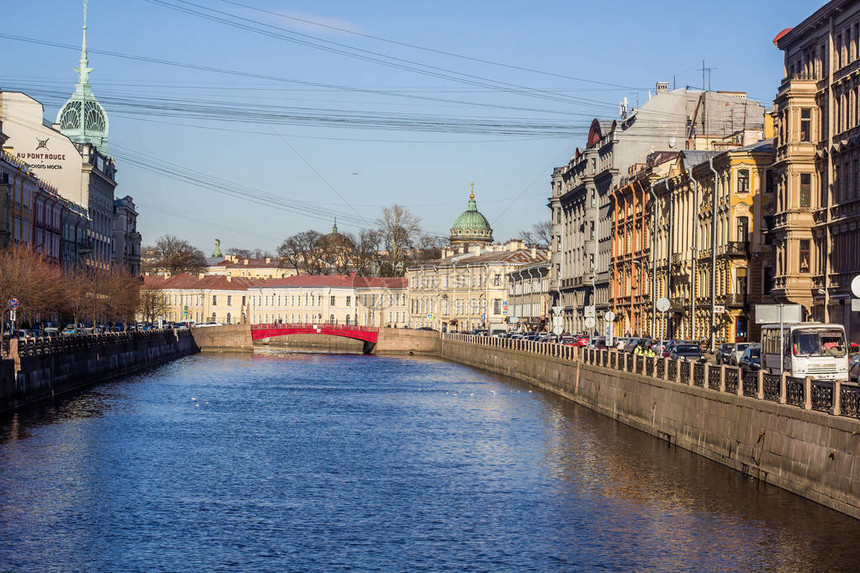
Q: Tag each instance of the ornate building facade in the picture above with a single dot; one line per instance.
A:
(581, 200)
(817, 209)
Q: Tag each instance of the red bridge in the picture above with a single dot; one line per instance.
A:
(365, 333)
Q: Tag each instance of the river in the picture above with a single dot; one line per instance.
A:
(313, 462)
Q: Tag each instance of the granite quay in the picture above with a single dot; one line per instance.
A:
(42, 368)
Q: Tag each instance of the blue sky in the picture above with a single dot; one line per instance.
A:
(274, 137)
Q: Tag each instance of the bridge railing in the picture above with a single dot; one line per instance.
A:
(827, 396)
(313, 325)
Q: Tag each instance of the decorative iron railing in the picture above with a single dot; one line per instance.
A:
(750, 382)
(794, 391)
(731, 380)
(714, 377)
(770, 387)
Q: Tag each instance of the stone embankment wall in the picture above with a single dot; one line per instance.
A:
(44, 369)
(233, 338)
(747, 424)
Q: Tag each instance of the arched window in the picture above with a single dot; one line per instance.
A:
(228, 318)
(347, 320)
(332, 320)
(213, 318)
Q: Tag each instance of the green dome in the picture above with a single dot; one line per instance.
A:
(471, 226)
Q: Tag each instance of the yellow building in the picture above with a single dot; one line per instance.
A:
(201, 298)
(468, 287)
(267, 268)
(332, 299)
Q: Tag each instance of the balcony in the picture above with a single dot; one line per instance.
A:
(732, 300)
(736, 249)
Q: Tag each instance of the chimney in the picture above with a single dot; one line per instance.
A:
(268, 260)
(662, 88)
(534, 252)
(246, 262)
(201, 275)
(229, 278)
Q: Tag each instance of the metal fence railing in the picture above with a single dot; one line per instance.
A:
(833, 397)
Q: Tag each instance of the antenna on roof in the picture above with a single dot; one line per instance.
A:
(623, 108)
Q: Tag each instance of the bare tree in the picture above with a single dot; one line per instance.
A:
(299, 251)
(539, 234)
(429, 248)
(365, 253)
(399, 230)
(153, 304)
(29, 278)
(250, 253)
(174, 256)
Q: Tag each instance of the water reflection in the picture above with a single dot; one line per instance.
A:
(314, 463)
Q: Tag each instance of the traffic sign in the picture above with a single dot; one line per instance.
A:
(589, 321)
(557, 330)
(855, 286)
(663, 304)
(13, 303)
(609, 316)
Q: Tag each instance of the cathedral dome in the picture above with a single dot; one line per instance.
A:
(471, 226)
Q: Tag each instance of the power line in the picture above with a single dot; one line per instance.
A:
(431, 50)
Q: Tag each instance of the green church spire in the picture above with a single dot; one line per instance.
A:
(82, 119)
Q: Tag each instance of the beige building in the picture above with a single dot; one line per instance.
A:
(201, 298)
(332, 299)
(673, 231)
(816, 215)
(529, 297)
(468, 287)
(266, 268)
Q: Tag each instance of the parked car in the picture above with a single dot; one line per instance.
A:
(751, 359)
(206, 324)
(738, 350)
(723, 352)
(854, 367)
(686, 351)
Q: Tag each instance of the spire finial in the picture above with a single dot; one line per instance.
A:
(334, 228)
(84, 69)
(472, 196)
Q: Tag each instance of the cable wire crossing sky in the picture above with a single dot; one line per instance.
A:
(254, 120)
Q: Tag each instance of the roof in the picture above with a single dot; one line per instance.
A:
(269, 262)
(333, 281)
(519, 256)
(196, 282)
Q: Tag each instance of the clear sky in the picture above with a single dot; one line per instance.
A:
(252, 120)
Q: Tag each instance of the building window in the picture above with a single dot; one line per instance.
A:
(743, 181)
(214, 300)
(229, 301)
(348, 301)
(806, 124)
(332, 301)
(497, 306)
(497, 280)
(804, 255)
(805, 189)
(768, 280)
(743, 229)
(229, 318)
